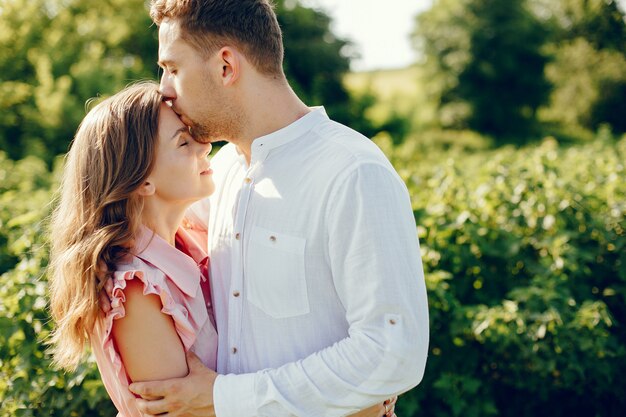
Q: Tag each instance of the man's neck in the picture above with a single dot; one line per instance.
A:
(270, 108)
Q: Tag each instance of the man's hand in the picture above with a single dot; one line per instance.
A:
(106, 295)
(191, 396)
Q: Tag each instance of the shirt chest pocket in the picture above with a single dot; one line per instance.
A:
(275, 277)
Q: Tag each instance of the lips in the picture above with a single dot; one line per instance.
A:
(207, 171)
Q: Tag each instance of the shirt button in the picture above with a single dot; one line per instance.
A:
(273, 238)
(236, 293)
(237, 236)
(248, 180)
(234, 350)
(392, 321)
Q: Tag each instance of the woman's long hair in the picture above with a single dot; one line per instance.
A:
(98, 212)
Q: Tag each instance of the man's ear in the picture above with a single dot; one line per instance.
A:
(230, 62)
(146, 189)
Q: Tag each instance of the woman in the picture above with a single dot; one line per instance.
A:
(132, 172)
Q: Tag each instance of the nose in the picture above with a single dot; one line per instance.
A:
(204, 149)
(166, 88)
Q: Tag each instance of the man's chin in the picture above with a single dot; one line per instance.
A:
(197, 133)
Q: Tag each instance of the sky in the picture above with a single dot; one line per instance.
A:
(380, 29)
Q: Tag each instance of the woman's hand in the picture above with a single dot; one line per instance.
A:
(384, 409)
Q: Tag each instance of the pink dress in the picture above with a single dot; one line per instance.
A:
(179, 276)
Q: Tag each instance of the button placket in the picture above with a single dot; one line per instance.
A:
(236, 304)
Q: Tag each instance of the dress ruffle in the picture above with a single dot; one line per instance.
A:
(186, 330)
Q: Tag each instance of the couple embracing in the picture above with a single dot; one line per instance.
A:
(283, 278)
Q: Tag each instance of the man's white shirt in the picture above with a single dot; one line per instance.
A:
(317, 282)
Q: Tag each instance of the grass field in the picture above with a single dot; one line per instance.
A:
(397, 91)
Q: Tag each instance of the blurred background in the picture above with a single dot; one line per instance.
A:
(505, 118)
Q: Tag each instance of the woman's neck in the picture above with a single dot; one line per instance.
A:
(163, 218)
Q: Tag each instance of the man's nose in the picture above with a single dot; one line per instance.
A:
(165, 87)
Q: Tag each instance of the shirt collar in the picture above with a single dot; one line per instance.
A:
(181, 269)
(262, 146)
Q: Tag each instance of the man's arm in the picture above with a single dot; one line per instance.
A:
(377, 270)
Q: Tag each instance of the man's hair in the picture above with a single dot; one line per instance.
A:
(208, 25)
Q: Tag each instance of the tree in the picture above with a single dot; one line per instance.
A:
(488, 57)
(588, 38)
(600, 22)
(57, 54)
(588, 86)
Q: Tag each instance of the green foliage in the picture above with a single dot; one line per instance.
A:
(442, 37)
(28, 386)
(600, 22)
(484, 61)
(588, 39)
(487, 58)
(588, 86)
(56, 54)
(525, 262)
(524, 249)
(396, 105)
(525, 259)
(504, 82)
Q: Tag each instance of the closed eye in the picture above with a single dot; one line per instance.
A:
(184, 140)
(182, 136)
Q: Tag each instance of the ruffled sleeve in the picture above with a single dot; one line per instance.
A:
(175, 278)
(153, 283)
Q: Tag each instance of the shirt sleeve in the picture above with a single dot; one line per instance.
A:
(375, 261)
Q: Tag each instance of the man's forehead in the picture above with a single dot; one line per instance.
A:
(169, 36)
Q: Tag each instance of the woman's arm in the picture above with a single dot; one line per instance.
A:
(146, 339)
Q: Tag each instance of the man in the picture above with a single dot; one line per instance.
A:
(317, 283)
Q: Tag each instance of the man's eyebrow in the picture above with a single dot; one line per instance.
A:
(179, 131)
(164, 62)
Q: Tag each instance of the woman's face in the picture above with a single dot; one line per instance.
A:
(181, 171)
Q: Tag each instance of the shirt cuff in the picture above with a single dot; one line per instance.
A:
(233, 395)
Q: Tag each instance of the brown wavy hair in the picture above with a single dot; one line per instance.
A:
(98, 213)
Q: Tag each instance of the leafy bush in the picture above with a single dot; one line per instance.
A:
(28, 386)
(525, 262)
(525, 258)
(588, 86)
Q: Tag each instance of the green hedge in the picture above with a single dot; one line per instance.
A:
(525, 258)
(28, 386)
